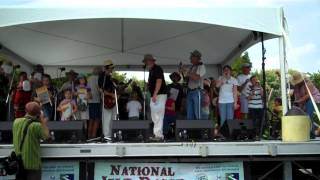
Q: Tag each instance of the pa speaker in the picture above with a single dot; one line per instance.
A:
(187, 130)
(67, 131)
(130, 130)
(241, 129)
(6, 132)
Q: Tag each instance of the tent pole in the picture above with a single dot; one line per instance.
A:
(265, 115)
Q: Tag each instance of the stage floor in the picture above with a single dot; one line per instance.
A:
(176, 149)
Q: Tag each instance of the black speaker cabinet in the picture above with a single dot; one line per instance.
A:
(130, 130)
(187, 130)
(241, 129)
(67, 131)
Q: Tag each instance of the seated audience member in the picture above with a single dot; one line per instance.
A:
(254, 93)
(94, 103)
(134, 107)
(21, 95)
(228, 99)
(46, 102)
(170, 115)
(67, 106)
(205, 108)
(83, 94)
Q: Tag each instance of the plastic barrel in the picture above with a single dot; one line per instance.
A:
(295, 128)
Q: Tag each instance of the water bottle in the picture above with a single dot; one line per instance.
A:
(53, 138)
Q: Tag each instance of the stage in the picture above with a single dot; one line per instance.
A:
(176, 149)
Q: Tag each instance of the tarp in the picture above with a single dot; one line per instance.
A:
(87, 37)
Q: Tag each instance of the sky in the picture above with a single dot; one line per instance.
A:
(303, 17)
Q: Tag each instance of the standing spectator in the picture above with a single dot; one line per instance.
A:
(30, 150)
(195, 86)
(227, 95)
(21, 95)
(94, 103)
(134, 107)
(170, 115)
(157, 89)
(243, 79)
(254, 93)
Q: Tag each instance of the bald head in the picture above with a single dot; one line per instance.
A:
(33, 109)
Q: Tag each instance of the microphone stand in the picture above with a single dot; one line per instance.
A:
(8, 99)
(144, 92)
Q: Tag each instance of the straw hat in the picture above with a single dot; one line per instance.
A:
(148, 57)
(195, 53)
(108, 63)
(296, 78)
(72, 73)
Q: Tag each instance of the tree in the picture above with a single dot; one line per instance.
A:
(237, 64)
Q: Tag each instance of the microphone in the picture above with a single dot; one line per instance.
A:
(62, 69)
(16, 66)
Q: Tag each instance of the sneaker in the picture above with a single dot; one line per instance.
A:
(156, 139)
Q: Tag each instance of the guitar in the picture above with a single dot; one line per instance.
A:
(110, 101)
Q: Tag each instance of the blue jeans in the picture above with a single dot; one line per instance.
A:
(226, 112)
(310, 110)
(194, 104)
(47, 111)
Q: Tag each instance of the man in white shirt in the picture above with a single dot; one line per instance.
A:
(243, 79)
(195, 85)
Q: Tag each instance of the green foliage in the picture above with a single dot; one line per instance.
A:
(237, 64)
(315, 78)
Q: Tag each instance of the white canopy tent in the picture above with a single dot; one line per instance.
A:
(86, 37)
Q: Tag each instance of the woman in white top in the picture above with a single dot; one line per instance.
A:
(227, 95)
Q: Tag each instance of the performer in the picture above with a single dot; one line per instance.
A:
(227, 98)
(21, 95)
(70, 84)
(195, 86)
(107, 88)
(94, 103)
(157, 88)
(243, 80)
(4, 88)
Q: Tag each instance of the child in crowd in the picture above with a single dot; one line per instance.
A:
(134, 107)
(83, 94)
(170, 115)
(205, 108)
(21, 95)
(254, 93)
(276, 121)
(67, 106)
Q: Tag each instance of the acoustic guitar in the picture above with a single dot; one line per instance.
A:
(110, 101)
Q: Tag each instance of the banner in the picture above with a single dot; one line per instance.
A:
(55, 170)
(60, 170)
(168, 171)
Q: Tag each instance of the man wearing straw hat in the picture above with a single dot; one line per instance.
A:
(157, 88)
(107, 87)
(301, 94)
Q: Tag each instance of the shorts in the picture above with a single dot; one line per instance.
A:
(94, 111)
(244, 104)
